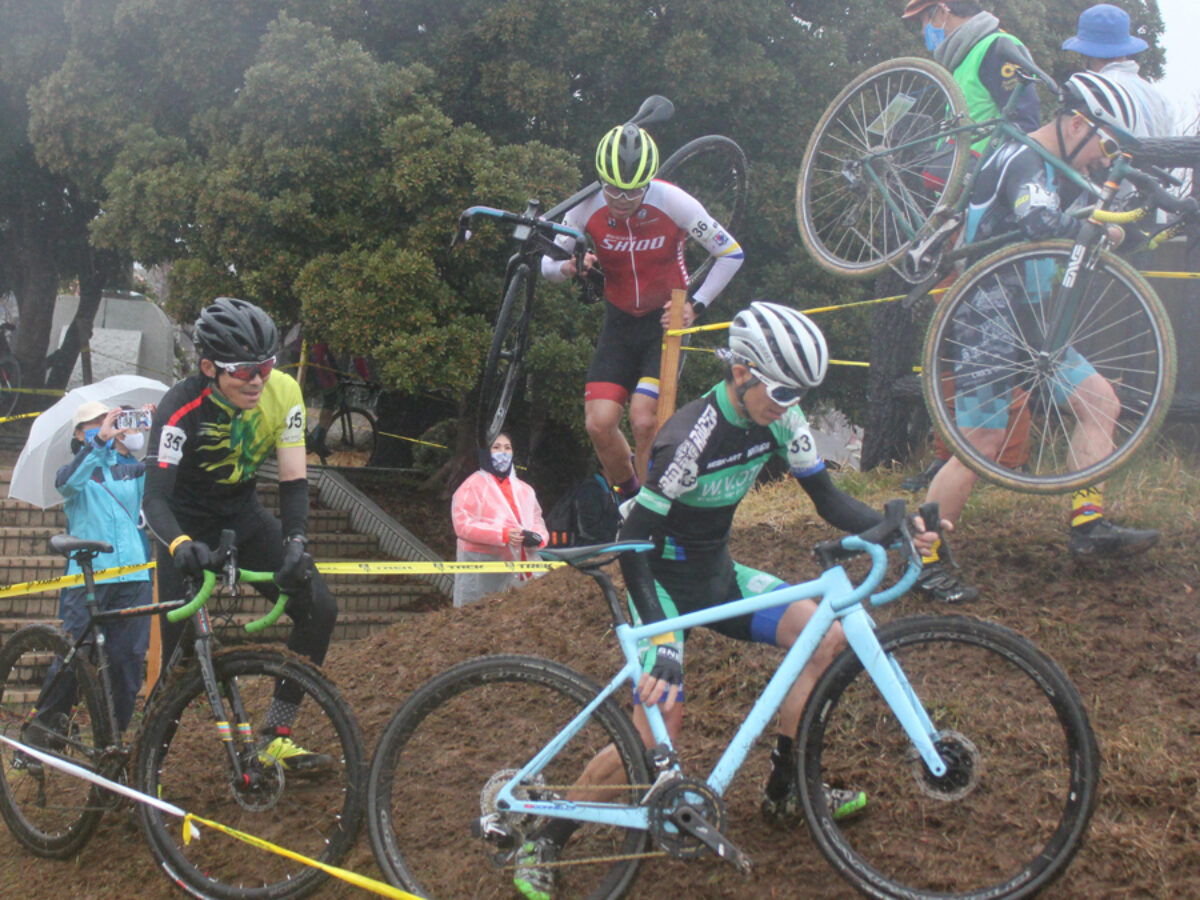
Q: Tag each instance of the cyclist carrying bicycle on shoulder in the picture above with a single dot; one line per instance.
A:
(638, 226)
(209, 436)
(1016, 190)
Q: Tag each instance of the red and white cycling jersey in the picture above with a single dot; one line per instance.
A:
(642, 256)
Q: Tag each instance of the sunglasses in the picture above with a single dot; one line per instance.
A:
(614, 193)
(780, 394)
(245, 371)
(1109, 145)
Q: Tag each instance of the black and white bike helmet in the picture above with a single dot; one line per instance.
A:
(1100, 99)
(232, 330)
(780, 344)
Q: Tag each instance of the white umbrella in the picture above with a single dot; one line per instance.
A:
(49, 444)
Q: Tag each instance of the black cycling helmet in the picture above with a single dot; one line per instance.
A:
(627, 157)
(232, 330)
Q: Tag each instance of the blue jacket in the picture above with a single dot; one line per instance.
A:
(103, 493)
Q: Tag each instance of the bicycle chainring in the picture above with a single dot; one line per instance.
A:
(667, 798)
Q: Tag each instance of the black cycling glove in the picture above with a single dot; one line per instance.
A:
(193, 558)
(668, 665)
(293, 575)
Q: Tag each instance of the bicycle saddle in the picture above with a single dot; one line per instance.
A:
(67, 544)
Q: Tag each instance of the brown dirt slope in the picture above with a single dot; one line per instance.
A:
(1126, 633)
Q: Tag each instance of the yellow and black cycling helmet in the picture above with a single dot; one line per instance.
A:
(627, 158)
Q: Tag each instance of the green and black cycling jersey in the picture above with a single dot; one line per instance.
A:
(705, 459)
(204, 452)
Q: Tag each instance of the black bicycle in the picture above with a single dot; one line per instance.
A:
(711, 168)
(196, 746)
(352, 433)
(10, 372)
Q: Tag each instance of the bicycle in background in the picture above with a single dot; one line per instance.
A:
(712, 169)
(196, 746)
(10, 372)
(971, 744)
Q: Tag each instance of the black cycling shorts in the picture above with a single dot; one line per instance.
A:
(627, 356)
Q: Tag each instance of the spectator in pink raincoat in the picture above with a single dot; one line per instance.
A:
(497, 519)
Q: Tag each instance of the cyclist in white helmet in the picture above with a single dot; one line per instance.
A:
(704, 460)
(1016, 190)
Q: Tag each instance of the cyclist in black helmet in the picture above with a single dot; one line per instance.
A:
(210, 434)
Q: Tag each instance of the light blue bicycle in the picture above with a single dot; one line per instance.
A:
(973, 747)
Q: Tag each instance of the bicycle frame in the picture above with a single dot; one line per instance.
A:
(840, 601)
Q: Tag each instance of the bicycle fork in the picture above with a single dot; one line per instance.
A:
(895, 688)
(243, 778)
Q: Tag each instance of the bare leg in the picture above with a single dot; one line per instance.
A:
(1096, 408)
(953, 483)
(643, 420)
(603, 419)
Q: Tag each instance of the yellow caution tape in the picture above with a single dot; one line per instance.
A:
(361, 881)
(53, 584)
(401, 437)
(32, 415)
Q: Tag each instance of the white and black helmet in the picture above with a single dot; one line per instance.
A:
(779, 343)
(1100, 99)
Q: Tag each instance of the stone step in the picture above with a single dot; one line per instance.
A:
(350, 625)
(18, 513)
(351, 598)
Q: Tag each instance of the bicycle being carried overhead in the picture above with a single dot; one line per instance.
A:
(710, 169)
(197, 746)
(974, 747)
(1051, 312)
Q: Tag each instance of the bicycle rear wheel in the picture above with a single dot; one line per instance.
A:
(52, 813)
(351, 438)
(10, 380)
(433, 778)
(987, 381)
(1023, 766)
(314, 810)
(876, 167)
(712, 169)
(502, 370)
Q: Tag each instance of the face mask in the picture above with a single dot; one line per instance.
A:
(934, 37)
(89, 434)
(502, 462)
(134, 442)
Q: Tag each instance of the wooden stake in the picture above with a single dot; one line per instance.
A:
(668, 372)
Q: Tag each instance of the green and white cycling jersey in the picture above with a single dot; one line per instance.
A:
(707, 457)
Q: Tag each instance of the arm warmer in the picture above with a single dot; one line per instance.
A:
(293, 507)
(640, 525)
(837, 507)
(160, 484)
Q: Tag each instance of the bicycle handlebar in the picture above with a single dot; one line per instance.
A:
(1148, 183)
(206, 588)
(542, 225)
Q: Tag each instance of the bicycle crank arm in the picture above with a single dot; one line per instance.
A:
(688, 818)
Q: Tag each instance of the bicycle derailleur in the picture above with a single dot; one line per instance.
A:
(687, 818)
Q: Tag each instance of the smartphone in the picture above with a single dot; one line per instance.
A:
(133, 418)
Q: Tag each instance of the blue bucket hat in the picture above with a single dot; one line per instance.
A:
(1104, 34)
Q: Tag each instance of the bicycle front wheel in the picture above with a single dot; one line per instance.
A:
(433, 780)
(10, 380)
(995, 382)
(1006, 818)
(712, 169)
(502, 370)
(310, 803)
(878, 165)
(351, 438)
(52, 813)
